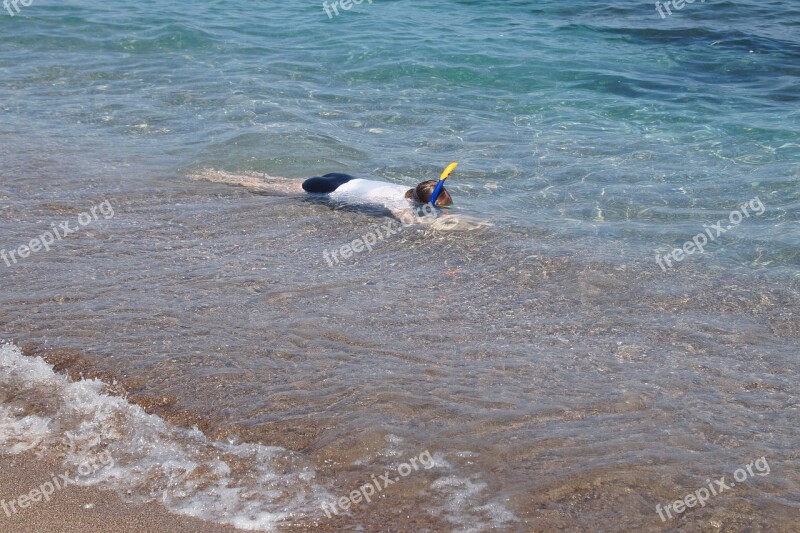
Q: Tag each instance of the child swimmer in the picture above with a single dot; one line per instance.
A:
(346, 189)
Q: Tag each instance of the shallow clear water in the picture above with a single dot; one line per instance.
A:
(558, 376)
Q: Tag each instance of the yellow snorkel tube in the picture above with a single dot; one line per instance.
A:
(440, 185)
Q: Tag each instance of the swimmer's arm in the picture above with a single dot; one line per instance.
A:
(408, 216)
(442, 222)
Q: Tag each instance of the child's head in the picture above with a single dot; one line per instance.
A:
(422, 194)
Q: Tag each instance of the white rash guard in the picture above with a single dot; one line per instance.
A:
(368, 192)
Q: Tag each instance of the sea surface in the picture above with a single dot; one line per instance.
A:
(560, 374)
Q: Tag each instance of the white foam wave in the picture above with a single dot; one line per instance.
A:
(249, 486)
(466, 506)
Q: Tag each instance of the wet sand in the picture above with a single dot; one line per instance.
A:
(82, 509)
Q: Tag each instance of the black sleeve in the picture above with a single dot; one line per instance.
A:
(327, 183)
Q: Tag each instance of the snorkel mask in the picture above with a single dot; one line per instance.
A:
(440, 185)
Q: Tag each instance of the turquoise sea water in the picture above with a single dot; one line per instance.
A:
(579, 116)
(557, 375)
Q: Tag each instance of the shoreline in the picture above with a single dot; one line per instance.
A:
(82, 509)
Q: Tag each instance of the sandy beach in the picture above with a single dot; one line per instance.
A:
(81, 509)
